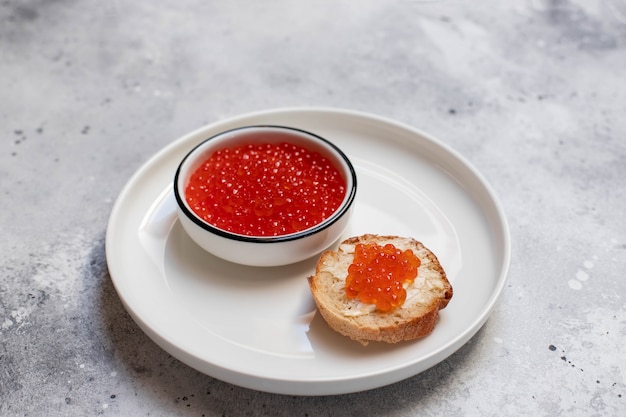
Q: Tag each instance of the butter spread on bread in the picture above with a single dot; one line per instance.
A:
(429, 292)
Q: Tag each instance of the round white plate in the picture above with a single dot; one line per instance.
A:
(258, 327)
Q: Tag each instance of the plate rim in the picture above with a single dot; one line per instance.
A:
(313, 387)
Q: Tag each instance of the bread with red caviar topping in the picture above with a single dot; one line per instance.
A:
(429, 292)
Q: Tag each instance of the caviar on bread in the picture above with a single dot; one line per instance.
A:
(380, 288)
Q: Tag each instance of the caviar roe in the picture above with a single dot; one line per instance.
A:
(378, 274)
(265, 189)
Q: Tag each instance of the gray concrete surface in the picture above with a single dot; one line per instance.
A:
(533, 93)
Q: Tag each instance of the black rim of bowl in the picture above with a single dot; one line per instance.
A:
(269, 239)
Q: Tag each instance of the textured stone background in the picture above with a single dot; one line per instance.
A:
(531, 92)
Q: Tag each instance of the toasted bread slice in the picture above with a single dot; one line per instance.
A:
(430, 292)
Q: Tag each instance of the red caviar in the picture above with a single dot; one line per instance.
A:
(378, 273)
(265, 189)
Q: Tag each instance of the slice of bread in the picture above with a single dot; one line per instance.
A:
(430, 292)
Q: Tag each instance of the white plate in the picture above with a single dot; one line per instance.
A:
(258, 327)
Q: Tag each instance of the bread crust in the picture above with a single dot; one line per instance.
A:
(430, 292)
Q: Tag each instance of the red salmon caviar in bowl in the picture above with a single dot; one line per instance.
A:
(265, 195)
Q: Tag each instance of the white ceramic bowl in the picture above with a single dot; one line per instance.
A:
(264, 250)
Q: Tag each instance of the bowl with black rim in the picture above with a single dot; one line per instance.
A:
(229, 228)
